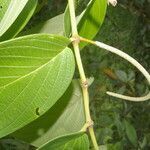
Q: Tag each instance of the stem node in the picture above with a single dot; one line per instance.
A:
(90, 124)
(75, 39)
(84, 84)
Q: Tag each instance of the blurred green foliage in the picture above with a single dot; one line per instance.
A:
(119, 124)
(126, 27)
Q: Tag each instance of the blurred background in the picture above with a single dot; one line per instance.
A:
(119, 124)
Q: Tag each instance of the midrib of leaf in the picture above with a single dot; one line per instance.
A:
(37, 87)
(7, 50)
(27, 57)
(9, 77)
(20, 38)
(50, 68)
(1, 113)
(32, 72)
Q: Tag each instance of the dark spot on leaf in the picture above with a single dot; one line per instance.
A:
(37, 111)
(1, 7)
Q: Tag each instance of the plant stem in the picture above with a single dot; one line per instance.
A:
(128, 58)
(93, 137)
(78, 58)
(84, 84)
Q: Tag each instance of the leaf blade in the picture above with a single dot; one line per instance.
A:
(14, 9)
(73, 141)
(51, 26)
(69, 108)
(20, 21)
(92, 19)
(37, 89)
(89, 21)
(131, 133)
(4, 5)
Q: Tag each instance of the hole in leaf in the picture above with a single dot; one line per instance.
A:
(37, 111)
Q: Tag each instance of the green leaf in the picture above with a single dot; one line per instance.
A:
(90, 21)
(40, 5)
(78, 141)
(101, 147)
(3, 7)
(119, 124)
(35, 71)
(143, 143)
(65, 117)
(67, 22)
(51, 26)
(131, 133)
(14, 9)
(115, 146)
(20, 21)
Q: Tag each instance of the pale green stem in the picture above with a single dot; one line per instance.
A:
(84, 84)
(93, 137)
(72, 16)
(131, 60)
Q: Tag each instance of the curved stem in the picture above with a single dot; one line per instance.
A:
(131, 60)
(84, 83)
